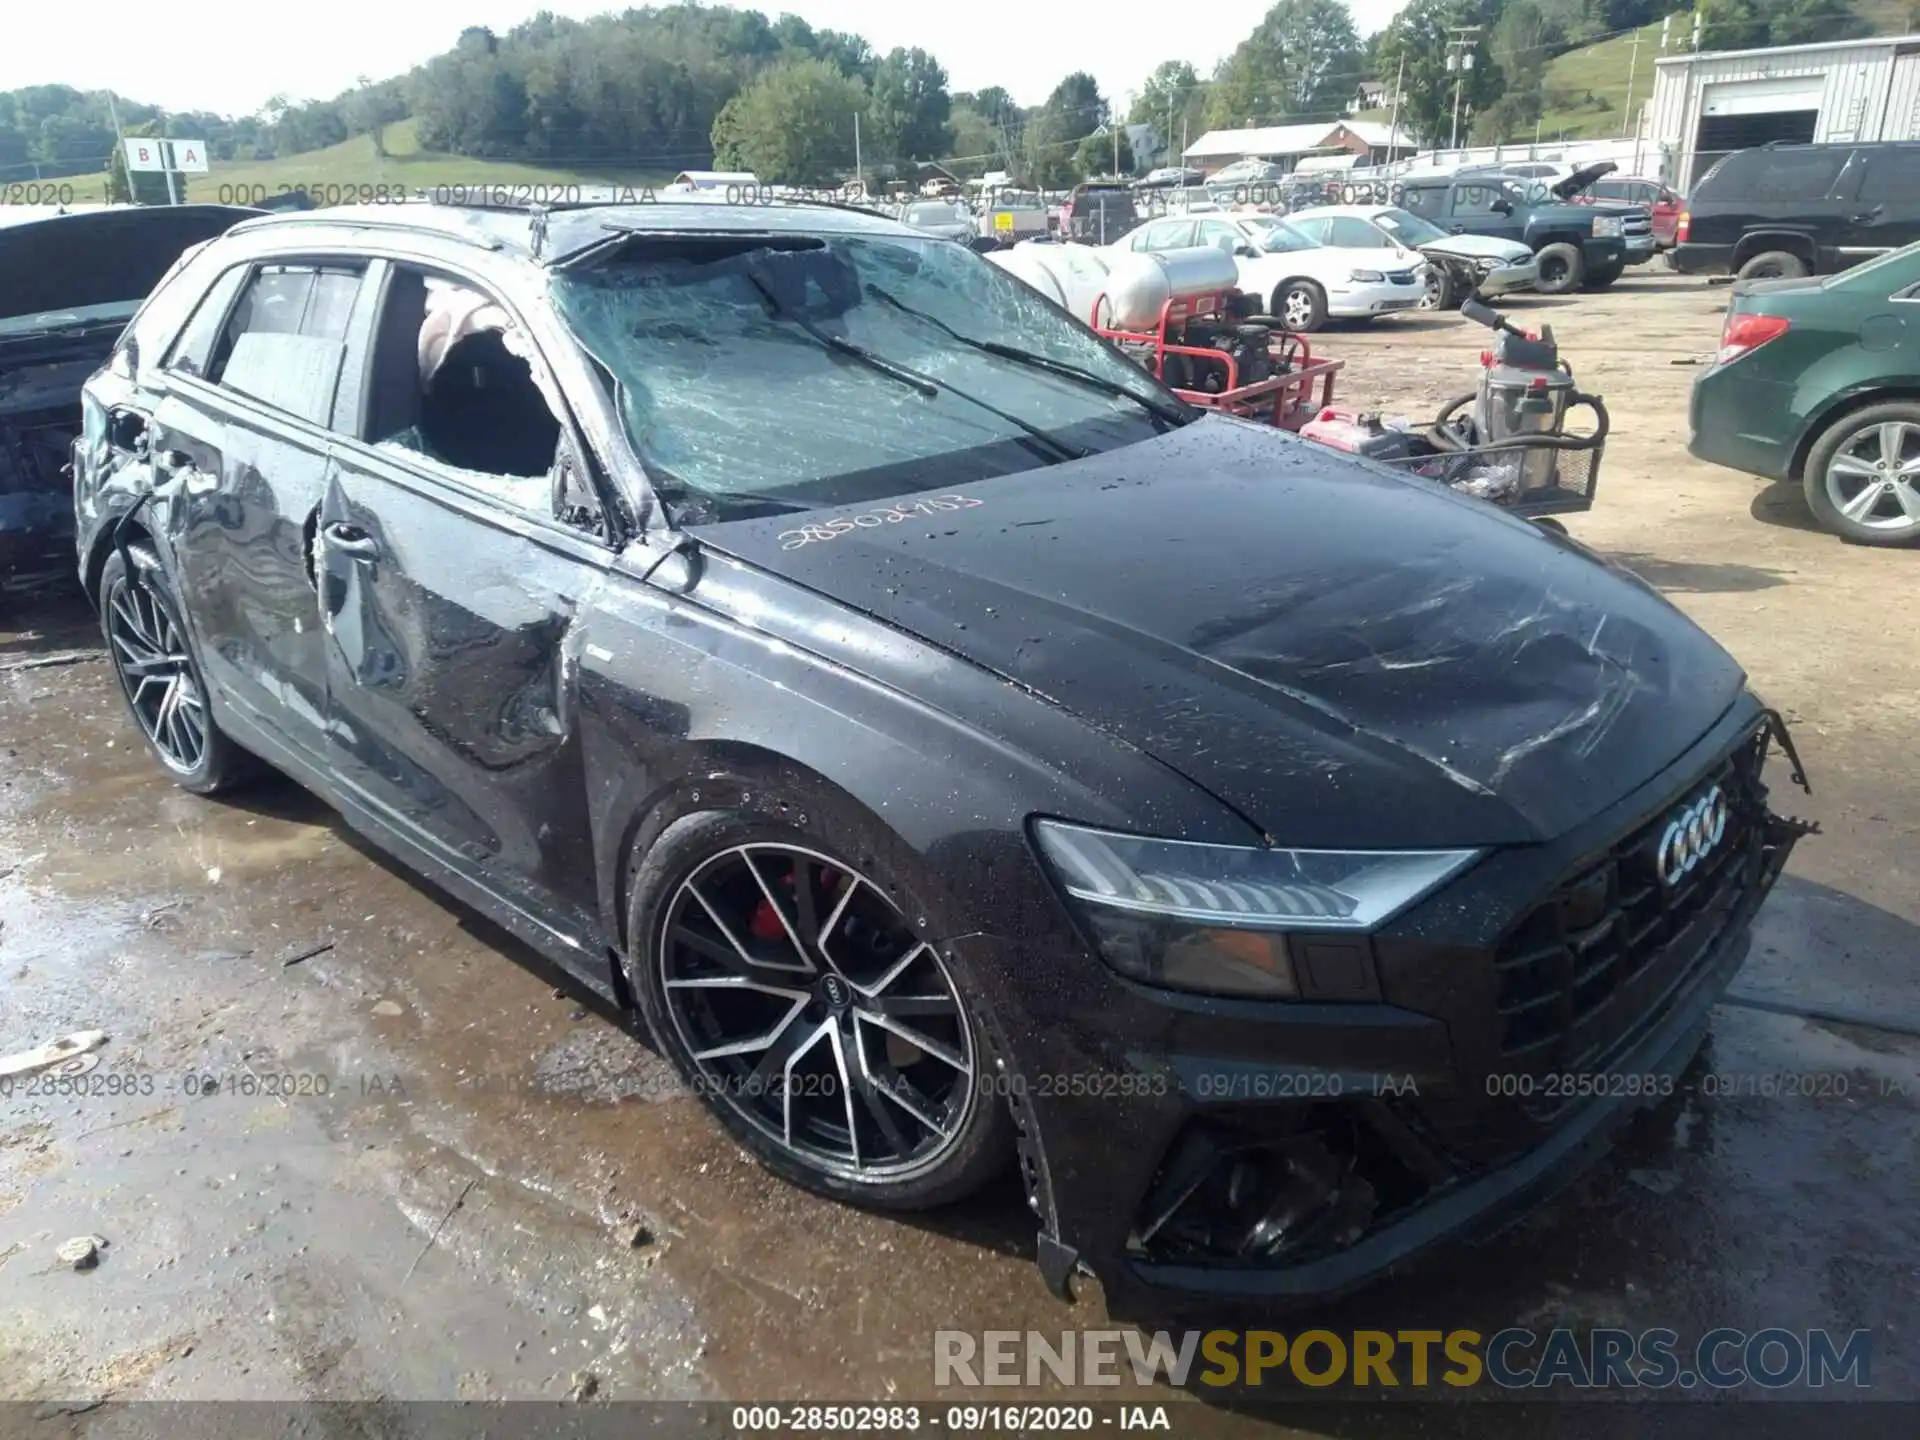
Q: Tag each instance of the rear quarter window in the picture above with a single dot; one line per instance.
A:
(1775, 177)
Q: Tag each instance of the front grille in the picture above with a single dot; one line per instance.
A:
(1588, 967)
(1399, 277)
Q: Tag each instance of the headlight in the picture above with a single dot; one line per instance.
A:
(1366, 277)
(1216, 917)
(1605, 225)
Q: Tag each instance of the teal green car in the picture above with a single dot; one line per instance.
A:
(1818, 380)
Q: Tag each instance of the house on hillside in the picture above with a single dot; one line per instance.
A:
(1373, 95)
(1347, 142)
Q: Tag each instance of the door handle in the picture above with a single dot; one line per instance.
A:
(351, 540)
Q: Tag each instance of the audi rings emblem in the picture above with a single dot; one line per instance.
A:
(1691, 836)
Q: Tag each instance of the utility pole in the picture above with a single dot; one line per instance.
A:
(166, 159)
(120, 139)
(859, 170)
(1465, 39)
(1399, 84)
(1633, 65)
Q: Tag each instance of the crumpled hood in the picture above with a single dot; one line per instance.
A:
(1479, 247)
(1346, 656)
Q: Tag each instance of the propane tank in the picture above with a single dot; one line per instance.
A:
(1140, 282)
(1072, 276)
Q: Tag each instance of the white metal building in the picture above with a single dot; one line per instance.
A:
(1707, 105)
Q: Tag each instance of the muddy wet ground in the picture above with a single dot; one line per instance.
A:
(404, 1165)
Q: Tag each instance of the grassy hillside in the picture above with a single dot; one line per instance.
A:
(1587, 88)
(336, 174)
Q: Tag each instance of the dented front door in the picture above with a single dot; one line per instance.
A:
(450, 695)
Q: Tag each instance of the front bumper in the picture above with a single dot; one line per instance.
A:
(1640, 248)
(1391, 1093)
(1505, 279)
(1603, 252)
(1356, 300)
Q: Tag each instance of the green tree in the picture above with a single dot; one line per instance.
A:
(1419, 36)
(1073, 111)
(908, 108)
(1303, 58)
(1802, 22)
(976, 144)
(370, 108)
(1096, 154)
(1173, 101)
(791, 126)
(1522, 42)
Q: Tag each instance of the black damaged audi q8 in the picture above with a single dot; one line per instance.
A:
(955, 747)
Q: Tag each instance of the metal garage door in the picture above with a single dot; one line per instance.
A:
(1740, 114)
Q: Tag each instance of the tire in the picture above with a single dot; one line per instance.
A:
(1773, 265)
(862, 947)
(1562, 268)
(160, 677)
(1601, 279)
(1845, 463)
(1438, 293)
(1309, 306)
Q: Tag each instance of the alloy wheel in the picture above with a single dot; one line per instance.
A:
(158, 675)
(1874, 478)
(1433, 290)
(812, 1007)
(1298, 311)
(1553, 271)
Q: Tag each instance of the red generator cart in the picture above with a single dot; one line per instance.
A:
(1212, 349)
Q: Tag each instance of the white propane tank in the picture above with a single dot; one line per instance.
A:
(1072, 276)
(1140, 282)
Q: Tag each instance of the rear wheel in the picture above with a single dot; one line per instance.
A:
(1863, 475)
(147, 642)
(1561, 268)
(1773, 265)
(1301, 306)
(799, 995)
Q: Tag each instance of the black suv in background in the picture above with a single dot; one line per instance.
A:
(1789, 210)
(1097, 213)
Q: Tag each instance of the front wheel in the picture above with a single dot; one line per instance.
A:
(1301, 306)
(800, 996)
(1560, 269)
(1863, 475)
(153, 659)
(1438, 292)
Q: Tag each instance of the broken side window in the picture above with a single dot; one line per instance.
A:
(456, 381)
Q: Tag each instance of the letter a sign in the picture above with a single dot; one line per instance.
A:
(189, 155)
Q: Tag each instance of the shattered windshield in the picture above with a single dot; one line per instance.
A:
(760, 374)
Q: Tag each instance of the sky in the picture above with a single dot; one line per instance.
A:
(229, 56)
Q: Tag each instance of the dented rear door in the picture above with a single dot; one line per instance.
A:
(450, 682)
